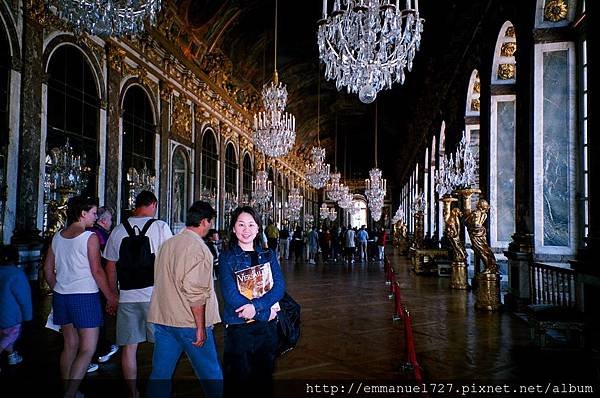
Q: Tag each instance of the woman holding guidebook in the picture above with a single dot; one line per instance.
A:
(252, 284)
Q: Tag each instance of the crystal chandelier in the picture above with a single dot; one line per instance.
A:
(334, 188)
(208, 195)
(366, 44)
(309, 219)
(231, 202)
(346, 200)
(375, 192)
(107, 17)
(375, 185)
(399, 216)
(456, 172)
(418, 204)
(324, 211)
(317, 172)
(262, 188)
(295, 200)
(138, 182)
(274, 129)
(66, 172)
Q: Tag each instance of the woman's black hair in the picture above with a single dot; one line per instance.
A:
(233, 240)
(76, 205)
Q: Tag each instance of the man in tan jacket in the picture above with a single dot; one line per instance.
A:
(184, 307)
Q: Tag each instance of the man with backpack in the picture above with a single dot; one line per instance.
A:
(130, 252)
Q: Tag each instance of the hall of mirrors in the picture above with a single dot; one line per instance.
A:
(165, 111)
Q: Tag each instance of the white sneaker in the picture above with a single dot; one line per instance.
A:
(112, 351)
(92, 367)
(14, 358)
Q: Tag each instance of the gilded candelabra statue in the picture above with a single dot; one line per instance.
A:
(488, 281)
(452, 232)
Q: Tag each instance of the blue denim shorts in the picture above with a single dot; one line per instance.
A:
(83, 310)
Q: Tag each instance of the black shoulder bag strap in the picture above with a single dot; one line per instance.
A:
(128, 228)
(147, 226)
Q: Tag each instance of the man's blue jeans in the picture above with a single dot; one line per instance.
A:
(170, 342)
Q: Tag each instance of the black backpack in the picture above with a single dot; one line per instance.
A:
(135, 267)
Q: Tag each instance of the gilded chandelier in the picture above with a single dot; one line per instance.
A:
(366, 44)
(274, 129)
(107, 17)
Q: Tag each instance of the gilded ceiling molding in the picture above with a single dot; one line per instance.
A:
(116, 58)
(475, 105)
(166, 90)
(556, 10)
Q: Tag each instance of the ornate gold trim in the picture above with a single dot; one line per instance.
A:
(506, 71)
(508, 49)
(556, 10)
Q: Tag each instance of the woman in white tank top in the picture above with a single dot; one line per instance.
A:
(73, 271)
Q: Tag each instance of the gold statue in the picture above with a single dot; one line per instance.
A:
(452, 219)
(474, 219)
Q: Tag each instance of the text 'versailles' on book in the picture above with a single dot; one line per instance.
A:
(254, 282)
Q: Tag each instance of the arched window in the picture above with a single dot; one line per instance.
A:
(440, 155)
(210, 161)
(138, 141)
(74, 109)
(231, 170)
(4, 112)
(247, 176)
(179, 187)
(502, 140)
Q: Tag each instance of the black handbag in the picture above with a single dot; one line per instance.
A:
(288, 324)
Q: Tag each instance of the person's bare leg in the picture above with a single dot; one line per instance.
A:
(69, 352)
(88, 338)
(129, 366)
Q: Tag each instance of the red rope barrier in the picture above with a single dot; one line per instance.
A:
(402, 313)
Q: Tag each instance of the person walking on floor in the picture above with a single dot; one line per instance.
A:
(284, 243)
(72, 270)
(363, 241)
(130, 265)
(184, 307)
(312, 241)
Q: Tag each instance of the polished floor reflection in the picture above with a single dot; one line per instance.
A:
(348, 335)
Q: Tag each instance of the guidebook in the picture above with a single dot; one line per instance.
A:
(255, 281)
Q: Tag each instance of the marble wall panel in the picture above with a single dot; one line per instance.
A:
(556, 157)
(505, 171)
